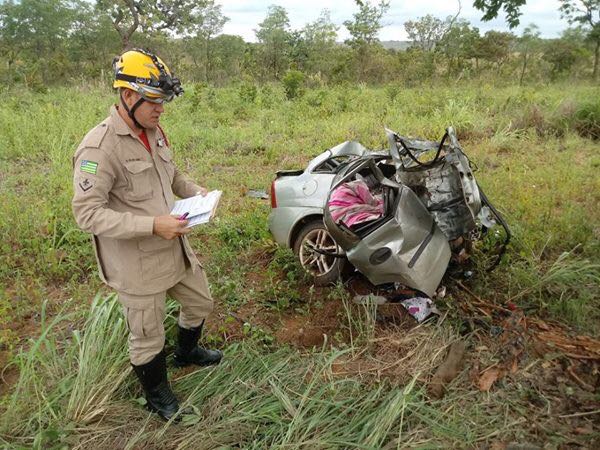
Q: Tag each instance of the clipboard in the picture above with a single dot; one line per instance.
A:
(199, 209)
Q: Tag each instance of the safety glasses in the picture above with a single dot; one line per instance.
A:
(158, 100)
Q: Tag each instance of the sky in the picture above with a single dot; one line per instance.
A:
(245, 15)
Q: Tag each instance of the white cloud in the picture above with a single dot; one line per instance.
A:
(245, 15)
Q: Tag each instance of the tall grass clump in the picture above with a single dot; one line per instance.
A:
(360, 320)
(68, 379)
(101, 360)
(281, 400)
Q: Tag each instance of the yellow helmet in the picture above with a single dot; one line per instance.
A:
(146, 74)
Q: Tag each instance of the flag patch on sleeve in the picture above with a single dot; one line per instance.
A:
(89, 166)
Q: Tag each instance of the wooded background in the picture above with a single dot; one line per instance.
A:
(45, 42)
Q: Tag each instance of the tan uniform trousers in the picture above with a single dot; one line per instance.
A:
(145, 314)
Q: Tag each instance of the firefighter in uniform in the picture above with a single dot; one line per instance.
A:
(125, 183)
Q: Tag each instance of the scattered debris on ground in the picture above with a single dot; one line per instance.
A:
(257, 193)
(541, 369)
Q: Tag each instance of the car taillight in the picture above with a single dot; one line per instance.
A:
(273, 197)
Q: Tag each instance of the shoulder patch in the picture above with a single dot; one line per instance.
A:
(85, 183)
(89, 166)
(94, 138)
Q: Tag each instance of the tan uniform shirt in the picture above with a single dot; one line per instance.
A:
(119, 187)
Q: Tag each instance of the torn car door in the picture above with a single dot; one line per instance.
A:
(404, 245)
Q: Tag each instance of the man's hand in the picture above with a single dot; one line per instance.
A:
(202, 191)
(170, 227)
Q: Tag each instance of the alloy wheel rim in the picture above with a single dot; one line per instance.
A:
(312, 261)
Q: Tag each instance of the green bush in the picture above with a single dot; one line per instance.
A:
(587, 120)
(248, 92)
(266, 98)
(293, 82)
(196, 94)
(316, 99)
(392, 91)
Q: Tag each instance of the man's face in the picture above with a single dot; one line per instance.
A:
(148, 113)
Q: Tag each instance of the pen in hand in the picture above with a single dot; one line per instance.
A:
(184, 216)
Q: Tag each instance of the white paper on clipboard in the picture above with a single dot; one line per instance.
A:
(200, 209)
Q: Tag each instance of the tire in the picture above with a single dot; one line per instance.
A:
(324, 269)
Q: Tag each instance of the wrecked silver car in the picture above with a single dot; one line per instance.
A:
(395, 216)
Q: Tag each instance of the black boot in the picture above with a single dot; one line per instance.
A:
(160, 397)
(188, 352)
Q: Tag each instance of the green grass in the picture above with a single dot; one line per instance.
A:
(537, 161)
(80, 394)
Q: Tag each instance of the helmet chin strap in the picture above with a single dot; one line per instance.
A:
(131, 112)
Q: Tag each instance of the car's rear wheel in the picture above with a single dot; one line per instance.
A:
(311, 246)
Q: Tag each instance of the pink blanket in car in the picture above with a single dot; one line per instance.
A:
(352, 203)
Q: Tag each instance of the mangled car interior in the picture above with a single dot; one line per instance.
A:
(397, 216)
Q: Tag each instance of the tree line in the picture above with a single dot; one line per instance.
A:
(45, 42)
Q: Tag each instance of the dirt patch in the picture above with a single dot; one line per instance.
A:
(260, 257)
(319, 326)
(304, 324)
(8, 375)
(396, 314)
